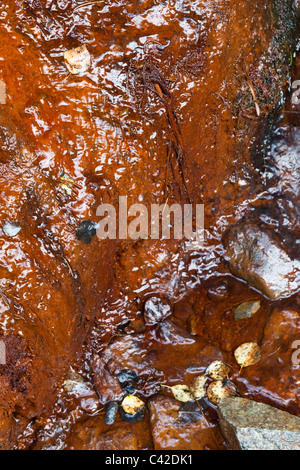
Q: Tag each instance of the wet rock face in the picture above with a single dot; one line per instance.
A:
(85, 127)
(283, 155)
(170, 333)
(177, 426)
(117, 440)
(248, 425)
(219, 291)
(81, 391)
(93, 435)
(6, 427)
(255, 256)
(285, 151)
(277, 371)
(107, 385)
(156, 310)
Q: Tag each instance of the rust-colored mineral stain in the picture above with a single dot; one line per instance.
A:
(173, 105)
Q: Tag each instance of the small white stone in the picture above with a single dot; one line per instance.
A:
(78, 60)
(11, 229)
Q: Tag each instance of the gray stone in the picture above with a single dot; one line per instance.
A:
(248, 425)
(246, 310)
(255, 256)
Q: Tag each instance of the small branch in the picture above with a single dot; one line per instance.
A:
(258, 112)
(87, 4)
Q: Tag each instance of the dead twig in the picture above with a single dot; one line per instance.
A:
(258, 112)
(87, 4)
(221, 98)
(249, 116)
(66, 78)
(69, 266)
(5, 297)
(167, 171)
(145, 384)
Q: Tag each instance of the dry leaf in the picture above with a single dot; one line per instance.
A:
(198, 387)
(217, 370)
(66, 184)
(182, 393)
(66, 189)
(132, 404)
(247, 354)
(219, 390)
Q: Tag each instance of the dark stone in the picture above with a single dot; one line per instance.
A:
(129, 388)
(86, 231)
(204, 403)
(133, 418)
(127, 376)
(248, 425)
(111, 411)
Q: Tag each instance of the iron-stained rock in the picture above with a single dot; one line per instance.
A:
(177, 426)
(170, 333)
(255, 256)
(156, 310)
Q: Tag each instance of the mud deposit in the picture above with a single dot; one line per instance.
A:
(179, 101)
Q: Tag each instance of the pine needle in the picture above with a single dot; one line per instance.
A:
(258, 112)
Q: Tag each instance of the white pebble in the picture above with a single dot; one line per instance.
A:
(11, 229)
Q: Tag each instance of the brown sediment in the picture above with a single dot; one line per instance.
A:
(176, 108)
